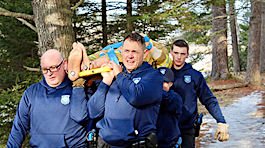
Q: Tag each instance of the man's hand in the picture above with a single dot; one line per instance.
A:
(107, 76)
(80, 82)
(116, 68)
(222, 131)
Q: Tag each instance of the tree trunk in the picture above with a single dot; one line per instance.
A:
(129, 17)
(253, 62)
(219, 47)
(236, 60)
(53, 19)
(262, 40)
(104, 23)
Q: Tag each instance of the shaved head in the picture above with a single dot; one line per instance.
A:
(53, 59)
(51, 54)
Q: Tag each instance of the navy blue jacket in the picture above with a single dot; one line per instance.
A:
(190, 85)
(130, 106)
(44, 111)
(168, 119)
(78, 105)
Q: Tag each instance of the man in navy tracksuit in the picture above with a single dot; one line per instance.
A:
(170, 110)
(129, 104)
(44, 109)
(191, 85)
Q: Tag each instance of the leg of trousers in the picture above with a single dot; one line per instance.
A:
(102, 143)
(188, 138)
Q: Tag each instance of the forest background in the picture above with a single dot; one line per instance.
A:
(28, 28)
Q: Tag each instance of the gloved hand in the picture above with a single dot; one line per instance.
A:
(222, 131)
(80, 82)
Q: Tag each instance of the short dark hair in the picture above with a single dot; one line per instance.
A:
(135, 37)
(181, 43)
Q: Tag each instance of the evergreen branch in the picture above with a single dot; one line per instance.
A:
(7, 13)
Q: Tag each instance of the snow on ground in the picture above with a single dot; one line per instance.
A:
(247, 130)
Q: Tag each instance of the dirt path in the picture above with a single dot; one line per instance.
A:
(246, 121)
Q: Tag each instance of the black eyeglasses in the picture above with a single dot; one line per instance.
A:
(52, 68)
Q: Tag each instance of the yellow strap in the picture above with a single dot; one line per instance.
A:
(92, 57)
(167, 62)
(94, 71)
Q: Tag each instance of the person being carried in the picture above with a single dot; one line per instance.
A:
(44, 109)
(170, 110)
(190, 85)
(156, 55)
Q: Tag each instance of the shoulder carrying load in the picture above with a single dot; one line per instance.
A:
(158, 55)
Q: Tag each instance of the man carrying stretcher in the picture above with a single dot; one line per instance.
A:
(78, 61)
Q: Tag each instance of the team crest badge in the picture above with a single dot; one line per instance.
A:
(163, 71)
(187, 78)
(65, 99)
(136, 80)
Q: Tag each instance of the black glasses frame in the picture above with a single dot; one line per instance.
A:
(52, 68)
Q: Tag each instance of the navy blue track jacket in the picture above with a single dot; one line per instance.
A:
(129, 107)
(44, 111)
(190, 85)
(168, 119)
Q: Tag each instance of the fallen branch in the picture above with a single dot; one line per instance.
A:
(228, 86)
(31, 69)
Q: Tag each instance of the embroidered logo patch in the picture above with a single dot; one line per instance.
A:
(163, 71)
(136, 80)
(65, 99)
(187, 78)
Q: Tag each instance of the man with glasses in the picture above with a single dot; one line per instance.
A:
(44, 109)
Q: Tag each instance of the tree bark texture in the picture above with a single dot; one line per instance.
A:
(236, 60)
(262, 40)
(129, 17)
(219, 47)
(253, 62)
(104, 23)
(53, 19)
